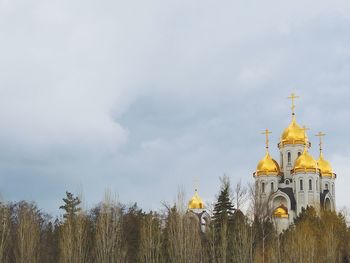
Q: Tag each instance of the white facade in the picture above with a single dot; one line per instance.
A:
(299, 182)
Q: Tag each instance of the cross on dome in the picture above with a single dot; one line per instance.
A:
(292, 97)
(267, 132)
(320, 135)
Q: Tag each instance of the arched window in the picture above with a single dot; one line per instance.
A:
(333, 191)
(326, 186)
(299, 153)
(289, 158)
(310, 184)
(287, 182)
(316, 185)
(263, 187)
(281, 160)
(301, 185)
(272, 187)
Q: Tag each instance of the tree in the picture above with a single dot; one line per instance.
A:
(27, 225)
(183, 238)
(222, 221)
(109, 243)
(74, 241)
(71, 206)
(5, 225)
(151, 239)
(223, 208)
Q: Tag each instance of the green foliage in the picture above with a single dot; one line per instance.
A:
(71, 205)
(223, 208)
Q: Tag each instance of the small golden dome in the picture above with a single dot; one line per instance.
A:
(324, 166)
(267, 166)
(281, 212)
(293, 134)
(196, 202)
(305, 162)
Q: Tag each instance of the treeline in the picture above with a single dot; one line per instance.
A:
(112, 232)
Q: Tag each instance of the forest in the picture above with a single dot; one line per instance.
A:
(114, 232)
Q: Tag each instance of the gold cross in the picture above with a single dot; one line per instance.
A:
(320, 135)
(267, 132)
(293, 97)
(196, 183)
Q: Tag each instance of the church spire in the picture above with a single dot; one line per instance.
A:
(292, 97)
(266, 132)
(320, 135)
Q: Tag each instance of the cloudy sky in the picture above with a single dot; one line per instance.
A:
(143, 97)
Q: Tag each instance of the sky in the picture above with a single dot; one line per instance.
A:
(145, 97)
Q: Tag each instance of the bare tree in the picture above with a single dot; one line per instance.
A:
(240, 195)
(183, 234)
(108, 236)
(261, 213)
(151, 239)
(4, 232)
(27, 233)
(74, 240)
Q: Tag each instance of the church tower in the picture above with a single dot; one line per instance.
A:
(327, 179)
(267, 174)
(196, 208)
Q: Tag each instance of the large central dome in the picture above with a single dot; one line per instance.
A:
(293, 134)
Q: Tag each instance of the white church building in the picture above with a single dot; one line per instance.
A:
(284, 188)
(297, 180)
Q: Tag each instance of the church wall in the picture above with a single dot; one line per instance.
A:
(306, 194)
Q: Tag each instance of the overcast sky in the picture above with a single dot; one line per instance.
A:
(143, 97)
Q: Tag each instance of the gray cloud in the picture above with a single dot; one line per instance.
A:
(144, 96)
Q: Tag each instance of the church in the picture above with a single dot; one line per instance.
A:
(298, 180)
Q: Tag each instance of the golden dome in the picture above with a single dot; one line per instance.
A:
(196, 202)
(293, 134)
(267, 166)
(281, 212)
(324, 166)
(305, 162)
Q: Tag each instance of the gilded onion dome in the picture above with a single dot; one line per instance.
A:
(281, 212)
(324, 166)
(305, 163)
(196, 202)
(293, 134)
(267, 166)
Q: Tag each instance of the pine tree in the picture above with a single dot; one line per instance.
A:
(222, 223)
(223, 208)
(71, 206)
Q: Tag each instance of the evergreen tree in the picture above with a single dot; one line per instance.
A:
(71, 205)
(222, 223)
(223, 208)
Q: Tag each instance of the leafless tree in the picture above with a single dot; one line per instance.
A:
(27, 233)
(108, 237)
(5, 224)
(240, 195)
(74, 240)
(151, 240)
(183, 233)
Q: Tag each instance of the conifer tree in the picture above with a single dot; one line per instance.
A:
(71, 205)
(222, 222)
(223, 208)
